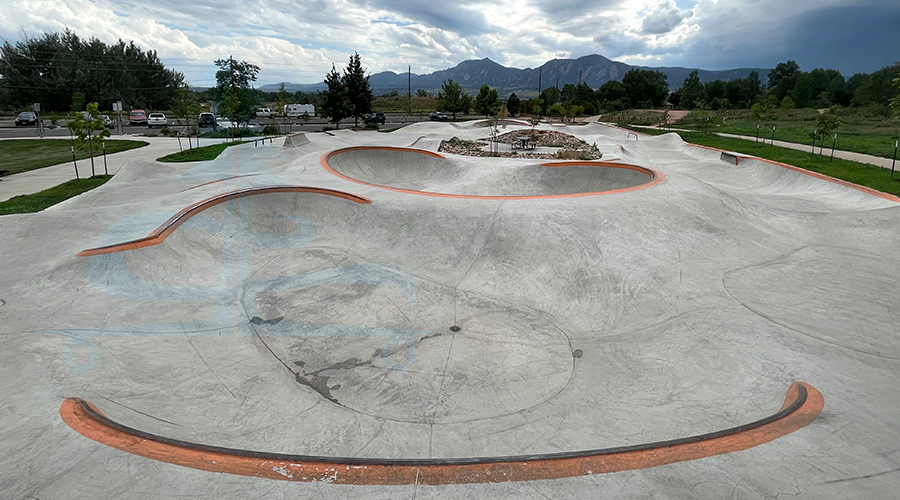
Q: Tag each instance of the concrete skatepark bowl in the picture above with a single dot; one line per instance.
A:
(402, 323)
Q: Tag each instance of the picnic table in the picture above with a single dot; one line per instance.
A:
(524, 143)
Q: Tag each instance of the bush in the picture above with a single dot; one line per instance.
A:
(372, 126)
(228, 133)
(166, 131)
(270, 130)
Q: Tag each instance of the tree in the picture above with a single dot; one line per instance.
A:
(549, 97)
(557, 110)
(359, 93)
(783, 78)
(612, 95)
(692, 91)
(453, 99)
(421, 93)
(486, 102)
(512, 104)
(335, 102)
(88, 132)
(803, 91)
(50, 68)
(186, 107)
(828, 122)
(895, 101)
(646, 86)
(233, 89)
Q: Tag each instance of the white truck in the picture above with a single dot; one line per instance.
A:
(297, 110)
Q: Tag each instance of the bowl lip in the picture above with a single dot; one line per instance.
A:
(655, 177)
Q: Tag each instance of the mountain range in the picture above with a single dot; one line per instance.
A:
(595, 70)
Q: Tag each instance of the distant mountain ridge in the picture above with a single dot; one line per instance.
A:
(595, 70)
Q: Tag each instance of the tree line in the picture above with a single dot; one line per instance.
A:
(54, 68)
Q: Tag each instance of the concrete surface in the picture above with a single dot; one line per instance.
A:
(310, 324)
(34, 181)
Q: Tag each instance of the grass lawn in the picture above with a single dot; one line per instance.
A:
(22, 155)
(28, 203)
(858, 173)
(204, 153)
(863, 129)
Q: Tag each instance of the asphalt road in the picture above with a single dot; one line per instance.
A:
(8, 129)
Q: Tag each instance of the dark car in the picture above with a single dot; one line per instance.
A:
(438, 117)
(377, 117)
(207, 120)
(26, 118)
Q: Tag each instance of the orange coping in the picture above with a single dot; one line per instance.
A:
(656, 177)
(802, 405)
(159, 234)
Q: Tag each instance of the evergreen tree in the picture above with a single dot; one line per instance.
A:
(335, 104)
(487, 102)
(359, 93)
(513, 104)
(692, 91)
(453, 99)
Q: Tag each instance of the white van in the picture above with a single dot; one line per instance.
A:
(295, 110)
(264, 113)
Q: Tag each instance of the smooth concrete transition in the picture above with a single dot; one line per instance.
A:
(318, 321)
(422, 171)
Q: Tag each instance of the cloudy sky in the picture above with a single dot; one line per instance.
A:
(298, 40)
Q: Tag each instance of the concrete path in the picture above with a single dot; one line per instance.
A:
(34, 181)
(452, 327)
(878, 161)
(846, 155)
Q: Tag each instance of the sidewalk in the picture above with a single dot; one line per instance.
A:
(877, 161)
(40, 179)
(846, 155)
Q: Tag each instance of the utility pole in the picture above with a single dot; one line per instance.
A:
(409, 84)
(540, 76)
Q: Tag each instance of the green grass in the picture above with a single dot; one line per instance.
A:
(22, 155)
(28, 203)
(204, 153)
(858, 173)
(864, 130)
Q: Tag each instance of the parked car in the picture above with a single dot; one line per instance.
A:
(438, 117)
(87, 116)
(26, 118)
(377, 117)
(107, 122)
(264, 113)
(207, 120)
(156, 119)
(137, 117)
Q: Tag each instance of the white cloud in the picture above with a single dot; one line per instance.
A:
(298, 41)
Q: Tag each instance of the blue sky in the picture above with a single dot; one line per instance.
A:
(298, 40)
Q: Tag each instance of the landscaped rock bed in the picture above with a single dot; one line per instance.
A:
(571, 148)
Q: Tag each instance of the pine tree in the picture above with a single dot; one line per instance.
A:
(335, 102)
(359, 94)
(486, 102)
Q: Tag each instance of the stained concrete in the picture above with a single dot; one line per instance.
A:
(309, 324)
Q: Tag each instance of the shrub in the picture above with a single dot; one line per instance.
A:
(372, 126)
(270, 130)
